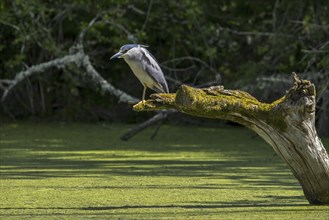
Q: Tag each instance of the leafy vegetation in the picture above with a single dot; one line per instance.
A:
(74, 171)
(225, 42)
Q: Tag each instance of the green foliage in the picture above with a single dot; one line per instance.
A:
(239, 39)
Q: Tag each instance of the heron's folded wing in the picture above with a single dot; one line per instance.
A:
(152, 67)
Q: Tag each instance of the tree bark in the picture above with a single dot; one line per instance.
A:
(287, 124)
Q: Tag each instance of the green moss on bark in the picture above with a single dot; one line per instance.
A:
(216, 102)
(235, 105)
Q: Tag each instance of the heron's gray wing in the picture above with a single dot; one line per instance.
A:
(152, 67)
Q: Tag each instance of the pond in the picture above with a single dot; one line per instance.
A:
(81, 171)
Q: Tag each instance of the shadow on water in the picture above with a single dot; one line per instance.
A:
(180, 152)
(204, 206)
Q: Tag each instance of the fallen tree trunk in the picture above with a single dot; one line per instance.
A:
(287, 124)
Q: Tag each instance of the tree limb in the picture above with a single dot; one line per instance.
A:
(81, 60)
(287, 124)
(155, 119)
(77, 57)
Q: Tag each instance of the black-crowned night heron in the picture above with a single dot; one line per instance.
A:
(144, 66)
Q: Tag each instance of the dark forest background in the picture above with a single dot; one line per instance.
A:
(247, 45)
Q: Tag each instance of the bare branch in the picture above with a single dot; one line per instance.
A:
(177, 82)
(180, 59)
(81, 60)
(137, 10)
(130, 36)
(10, 25)
(58, 63)
(78, 58)
(84, 31)
(105, 86)
(162, 115)
(177, 69)
(259, 33)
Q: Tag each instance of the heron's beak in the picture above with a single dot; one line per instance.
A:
(117, 55)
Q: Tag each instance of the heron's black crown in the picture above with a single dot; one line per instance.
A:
(127, 47)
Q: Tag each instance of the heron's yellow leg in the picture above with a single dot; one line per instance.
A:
(144, 91)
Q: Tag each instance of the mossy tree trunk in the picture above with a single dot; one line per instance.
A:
(287, 124)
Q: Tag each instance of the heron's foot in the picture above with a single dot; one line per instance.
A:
(141, 102)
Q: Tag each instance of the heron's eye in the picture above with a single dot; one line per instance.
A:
(124, 51)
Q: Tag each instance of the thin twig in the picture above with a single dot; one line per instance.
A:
(84, 31)
(177, 69)
(121, 27)
(137, 10)
(176, 81)
(10, 25)
(266, 34)
(179, 59)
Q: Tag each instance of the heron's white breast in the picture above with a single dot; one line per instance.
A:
(140, 73)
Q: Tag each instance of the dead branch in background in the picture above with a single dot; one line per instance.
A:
(78, 57)
(158, 118)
